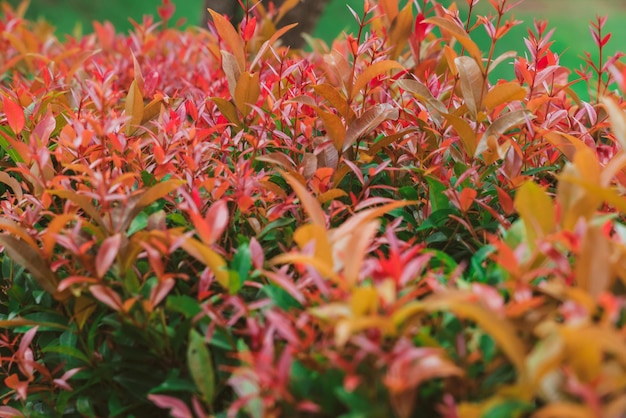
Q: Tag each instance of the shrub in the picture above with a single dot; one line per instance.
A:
(205, 223)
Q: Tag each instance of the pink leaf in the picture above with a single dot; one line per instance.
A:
(106, 296)
(217, 216)
(106, 254)
(178, 408)
(160, 291)
(256, 253)
(8, 412)
(15, 115)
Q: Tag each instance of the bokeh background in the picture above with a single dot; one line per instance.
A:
(569, 18)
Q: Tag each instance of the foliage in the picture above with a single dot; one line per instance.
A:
(204, 223)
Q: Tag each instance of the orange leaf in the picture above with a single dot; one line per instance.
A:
(335, 129)
(312, 232)
(14, 114)
(247, 92)
(373, 71)
(228, 33)
(459, 33)
(310, 204)
(564, 410)
(504, 93)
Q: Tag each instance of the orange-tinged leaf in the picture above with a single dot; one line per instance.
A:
(400, 30)
(148, 197)
(605, 194)
(368, 121)
(336, 99)
(335, 129)
(501, 330)
(372, 71)
(331, 194)
(210, 258)
(247, 92)
(15, 115)
(49, 238)
(229, 35)
(16, 230)
(82, 201)
(459, 33)
(267, 44)
(309, 203)
(390, 8)
(536, 209)
(564, 410)
(30, 258)
(504, 93)
(569, 145)
(134, 108)
(472, 84)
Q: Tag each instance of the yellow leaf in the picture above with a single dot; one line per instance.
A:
(83, 308)
(312, 232)
(504, 93)
(247, 92)
(536, 209)
(210, 258)
(465, 132)
(152, 110)
(364, 301)
(228, 110)
(134, 108)
(291, 258)
(584, 354)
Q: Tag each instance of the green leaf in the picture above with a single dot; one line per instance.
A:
(183, 304)
(508, 409)
(67, 351)
(281, 297)
(201, 366)
(438, 200)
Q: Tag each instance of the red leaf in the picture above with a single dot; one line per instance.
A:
(15, 115)
(106, 254)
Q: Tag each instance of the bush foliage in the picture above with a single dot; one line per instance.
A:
(205, 223)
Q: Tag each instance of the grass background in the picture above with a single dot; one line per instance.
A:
(570, 18)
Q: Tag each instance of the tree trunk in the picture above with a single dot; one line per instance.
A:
(306, 14)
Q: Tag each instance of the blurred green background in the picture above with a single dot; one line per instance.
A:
(570, 18)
